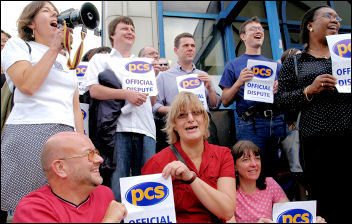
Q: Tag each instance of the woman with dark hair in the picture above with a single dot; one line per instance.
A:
(45, 100)
(325, 122)
(255, 194)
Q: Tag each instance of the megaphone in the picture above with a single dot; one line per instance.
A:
(88, 16)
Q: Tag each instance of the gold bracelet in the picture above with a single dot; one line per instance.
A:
(305, 93)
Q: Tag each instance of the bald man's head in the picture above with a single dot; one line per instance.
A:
(61, 145)
(149, 52)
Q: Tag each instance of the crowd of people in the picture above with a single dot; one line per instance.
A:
(51, 171)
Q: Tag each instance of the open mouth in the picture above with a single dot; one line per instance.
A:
(258, 37)
(333, 28)
(191, 128)
(53, 23)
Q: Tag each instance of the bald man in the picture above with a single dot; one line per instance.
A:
(74, 194)
(159, 64)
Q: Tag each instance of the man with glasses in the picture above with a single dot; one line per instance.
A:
(159, 64)
(261, 123)
(74, 194)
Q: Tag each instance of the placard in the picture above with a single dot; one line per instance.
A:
(295, 212)
(148, 199)
(260, 88)
(85, 116)
(138, 74)
(340, 52)
(191, 83)
(81, 75)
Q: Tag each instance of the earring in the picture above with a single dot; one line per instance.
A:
(310, 29)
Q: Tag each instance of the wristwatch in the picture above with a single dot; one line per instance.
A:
(192, 179)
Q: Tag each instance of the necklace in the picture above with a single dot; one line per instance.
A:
(324, 56)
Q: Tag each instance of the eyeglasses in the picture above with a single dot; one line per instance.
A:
(329, 16)
(153, 53)
(163, 64)
(194, 113)
(91, 155)
(253, 29)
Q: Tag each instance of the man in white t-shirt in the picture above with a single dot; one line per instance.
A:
(135, 137)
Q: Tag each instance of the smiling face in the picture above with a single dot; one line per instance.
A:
(322, 25)
(253, 36)
(124, 35)
(82, 171)
(44, 23)
(248, 166)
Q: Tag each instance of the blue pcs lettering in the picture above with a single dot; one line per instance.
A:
(147, 193)
(138, 67)
(190, 83)
(295, 216)
(262, 71)
(81, 70)
(343, 48)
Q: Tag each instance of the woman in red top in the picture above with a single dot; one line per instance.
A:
(205, 187)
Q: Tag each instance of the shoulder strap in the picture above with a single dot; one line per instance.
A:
(29, 48)
(296, 71)
(295, 62)
(177, 154)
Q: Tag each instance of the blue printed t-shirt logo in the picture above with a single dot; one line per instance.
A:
(58, 65)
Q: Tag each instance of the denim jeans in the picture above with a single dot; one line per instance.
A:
(132, 151)
(265, 133)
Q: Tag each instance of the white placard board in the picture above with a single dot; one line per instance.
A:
(85, 116)
(148, 199)
(260, 88)
(81, 75)
(340, 52)
(295, 212)
(191, 83)
(138, 74)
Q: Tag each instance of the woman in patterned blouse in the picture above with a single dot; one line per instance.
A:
(325, 125)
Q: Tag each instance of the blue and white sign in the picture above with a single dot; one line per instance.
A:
(340, 52)
(260, 88)
(191, 83)
(81, 75)
(148, 199)
(138, 74)
(295, 212)
(85, 116)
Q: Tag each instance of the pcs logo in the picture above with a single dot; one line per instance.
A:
(147, 193)
(295, 216)
(262, 71)
(81, 70)
(84, 114)
(343, 48)
(138, 67)
(190, 83)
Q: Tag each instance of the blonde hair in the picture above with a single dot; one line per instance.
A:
(183, 101)
(26, 18)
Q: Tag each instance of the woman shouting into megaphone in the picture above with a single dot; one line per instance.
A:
(45, 100)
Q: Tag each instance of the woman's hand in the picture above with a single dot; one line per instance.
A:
(322, 83)
(178, 170)
(56, 43)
